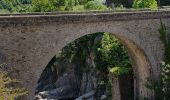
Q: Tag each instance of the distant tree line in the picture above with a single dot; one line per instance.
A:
(76, 5)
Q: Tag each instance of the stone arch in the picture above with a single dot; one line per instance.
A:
(141, 69)
(29, 47)
(140, 63)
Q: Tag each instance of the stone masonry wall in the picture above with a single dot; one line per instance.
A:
(28, 42)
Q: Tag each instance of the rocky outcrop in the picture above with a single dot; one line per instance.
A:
(63, 84)
(66, 87)
(59, 81)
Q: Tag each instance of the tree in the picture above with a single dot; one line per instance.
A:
(53, 5)
(111, 53)
(145, 4)
(14, 6)
(71, 4)
(44, 5)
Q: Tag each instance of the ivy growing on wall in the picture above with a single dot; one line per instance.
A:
(165, 75)
(162, 87)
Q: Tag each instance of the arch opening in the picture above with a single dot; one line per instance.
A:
(56, 68)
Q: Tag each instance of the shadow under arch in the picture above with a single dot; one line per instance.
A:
(141, 67)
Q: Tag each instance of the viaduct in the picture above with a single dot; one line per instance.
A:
(29, 41)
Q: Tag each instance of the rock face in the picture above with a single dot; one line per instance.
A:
(65, 88)
(59, 81)
(62, 84)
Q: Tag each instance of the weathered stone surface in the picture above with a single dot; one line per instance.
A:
(115, 89)
(28, 42)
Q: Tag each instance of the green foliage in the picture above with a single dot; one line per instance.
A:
(78, 8)
(26, 1)
(50, 5)
(4, 11)
(165, 75)
(54, 5)
(162, 88)
(120, 7)
(7, 92)
(71, 4)
(95, 5)
(14, 6)
(78, 51)
(44, 5)
(106, 52)
(166, 81)
(120, 70)
(110, 52)
(79, 48)
(145, 4)
(166, 42)
(83, 2)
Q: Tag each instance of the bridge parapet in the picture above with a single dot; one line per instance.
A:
(73, 17)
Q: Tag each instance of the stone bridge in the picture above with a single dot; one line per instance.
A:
(29, 41)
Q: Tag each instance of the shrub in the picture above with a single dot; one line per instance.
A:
(7, 92)
(14, 6)
(95, 5)
(120, 70)
(111, 53)
(145, 4)
(78, 8)
(44, 5)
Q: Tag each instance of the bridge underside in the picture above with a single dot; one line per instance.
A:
(28, 43)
